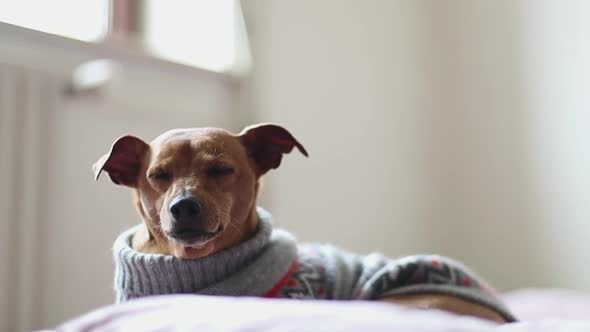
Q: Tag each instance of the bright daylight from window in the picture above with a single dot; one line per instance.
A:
(84, 20)
(200, 33)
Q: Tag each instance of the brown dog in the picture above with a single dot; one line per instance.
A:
(196, 188)
(196, 192)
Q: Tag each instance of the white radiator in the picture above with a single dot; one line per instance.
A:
(27, 100)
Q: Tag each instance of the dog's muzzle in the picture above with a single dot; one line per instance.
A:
(187, 225)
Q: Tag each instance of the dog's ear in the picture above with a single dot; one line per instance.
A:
(124, 161)
(266, 143)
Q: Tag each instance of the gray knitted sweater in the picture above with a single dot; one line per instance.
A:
(272, 264)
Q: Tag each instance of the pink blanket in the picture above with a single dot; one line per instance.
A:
(539, 311)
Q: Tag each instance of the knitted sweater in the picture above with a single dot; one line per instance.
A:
(273, 264)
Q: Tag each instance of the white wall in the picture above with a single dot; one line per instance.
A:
(343, 77)
(427, 124)
(558, 49)
(483, 201)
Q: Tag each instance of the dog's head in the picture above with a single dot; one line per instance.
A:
(196, 188)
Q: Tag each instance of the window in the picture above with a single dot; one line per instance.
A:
(202, 33)
(84, 20)
(209, 34)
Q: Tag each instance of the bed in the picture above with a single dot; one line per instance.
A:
(538, 311)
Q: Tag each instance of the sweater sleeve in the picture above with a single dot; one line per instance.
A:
(424, 274)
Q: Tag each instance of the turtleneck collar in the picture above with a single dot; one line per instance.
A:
(248, 269)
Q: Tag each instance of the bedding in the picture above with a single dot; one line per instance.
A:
(539, 311)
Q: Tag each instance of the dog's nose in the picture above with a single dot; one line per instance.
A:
(185, 209)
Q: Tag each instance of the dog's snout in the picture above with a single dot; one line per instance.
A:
(185, 209)
(188, 225)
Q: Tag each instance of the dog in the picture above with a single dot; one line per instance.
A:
(196, 192)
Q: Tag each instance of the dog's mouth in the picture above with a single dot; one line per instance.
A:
(193, 237)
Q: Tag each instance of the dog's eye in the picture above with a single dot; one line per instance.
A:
(161, 176)
(220, 171)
